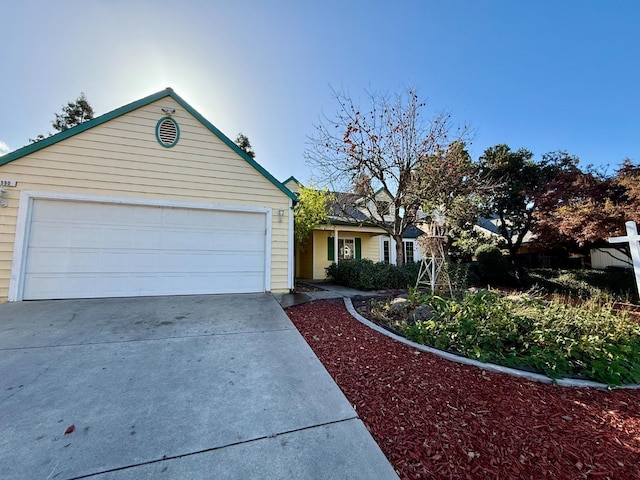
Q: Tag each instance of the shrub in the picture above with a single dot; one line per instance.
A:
(551, 338)
(366, 275)
(463, 276)
(493, 268)
(618, 283)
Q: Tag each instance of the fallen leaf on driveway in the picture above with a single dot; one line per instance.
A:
(69, 429)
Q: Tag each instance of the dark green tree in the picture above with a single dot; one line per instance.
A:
(518, 183)
(73, 113)
(243, 142)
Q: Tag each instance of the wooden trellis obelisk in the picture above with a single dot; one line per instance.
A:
(433, 272)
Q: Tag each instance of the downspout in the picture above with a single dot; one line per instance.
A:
(292, 266)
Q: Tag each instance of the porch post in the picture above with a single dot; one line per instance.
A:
(335, 245)
(392, 251)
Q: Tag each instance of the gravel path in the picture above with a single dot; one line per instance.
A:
(438, 419)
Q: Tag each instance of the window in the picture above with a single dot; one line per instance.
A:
(386, 257)
(407, 250)
(346, 248)
(383, 207)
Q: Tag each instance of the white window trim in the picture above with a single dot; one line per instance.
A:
(382, 242)
(16, 282)
(392, 249)
(406, 242)
(344, 239)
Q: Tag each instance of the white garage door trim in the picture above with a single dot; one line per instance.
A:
(27, 198)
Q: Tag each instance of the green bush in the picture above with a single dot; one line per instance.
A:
(463, 276)
(493, 268)
(619, 283)
(552, 338)
(366, 275)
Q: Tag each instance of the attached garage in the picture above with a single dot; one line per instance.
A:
(79, 249)
(182, 223)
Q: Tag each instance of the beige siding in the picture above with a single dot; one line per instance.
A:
(293, 186)
(122, 158)
(369, 248)
(304, 259)
(320, 261)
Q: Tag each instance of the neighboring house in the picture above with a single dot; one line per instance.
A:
(532, 254)
(149, 199)
(490, 227)
(606, 257)
(351, 236)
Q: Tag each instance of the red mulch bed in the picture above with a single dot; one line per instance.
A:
(438, 419)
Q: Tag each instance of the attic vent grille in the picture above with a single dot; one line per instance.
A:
(167, 132)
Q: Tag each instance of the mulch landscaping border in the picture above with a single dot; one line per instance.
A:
(437, 419)
(492, 367)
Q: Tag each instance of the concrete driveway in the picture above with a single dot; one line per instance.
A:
(171, 387)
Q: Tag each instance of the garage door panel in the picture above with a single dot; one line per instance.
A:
(146, 239)
(240, 242)
(193, 240)
(130, 250)
(52, 260)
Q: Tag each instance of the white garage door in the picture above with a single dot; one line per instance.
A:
(87, 249)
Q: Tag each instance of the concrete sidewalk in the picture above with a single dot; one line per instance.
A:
(328, 291)
(171, 387)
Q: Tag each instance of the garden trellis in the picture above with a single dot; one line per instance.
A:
(433, 266)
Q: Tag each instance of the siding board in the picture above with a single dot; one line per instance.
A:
(121, 158)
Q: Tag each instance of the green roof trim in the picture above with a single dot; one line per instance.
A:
(168, 92)
(294, 179)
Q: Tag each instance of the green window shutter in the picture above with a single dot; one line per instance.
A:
(330, 249)
(358, 248)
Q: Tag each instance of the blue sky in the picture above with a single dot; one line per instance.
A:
(544, 75)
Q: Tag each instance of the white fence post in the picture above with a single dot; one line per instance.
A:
(633, 239)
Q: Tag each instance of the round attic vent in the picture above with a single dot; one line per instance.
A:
(167, 132)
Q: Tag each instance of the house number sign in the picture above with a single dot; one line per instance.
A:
(8, 183)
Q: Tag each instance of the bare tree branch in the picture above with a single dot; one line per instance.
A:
(379, 149)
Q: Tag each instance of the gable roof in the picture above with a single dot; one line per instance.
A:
(167, 92)
(292, 178)
(343, 210)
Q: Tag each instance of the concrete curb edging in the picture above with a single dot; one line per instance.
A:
(536, 377)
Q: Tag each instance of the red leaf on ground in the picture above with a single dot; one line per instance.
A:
(69, 429)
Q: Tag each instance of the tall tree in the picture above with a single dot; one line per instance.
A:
(451, 183)
(243, 142)
(380, 149)
(519, 183)
(628, 177)
(587, 207)
(72, 114)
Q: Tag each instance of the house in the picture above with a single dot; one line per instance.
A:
(533, 254)
(605, 257)
(352, 236)
(149, 199)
